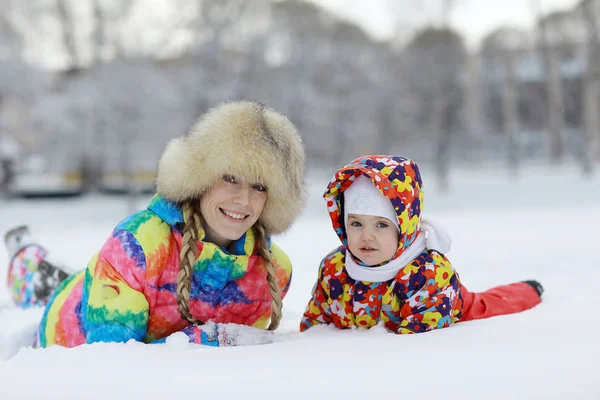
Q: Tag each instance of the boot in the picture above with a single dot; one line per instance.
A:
(47, 279)
(537, 286)
(17, 239)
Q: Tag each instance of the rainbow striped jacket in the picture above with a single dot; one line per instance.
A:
(128, 291)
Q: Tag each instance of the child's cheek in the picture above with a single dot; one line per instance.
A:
(351, 241)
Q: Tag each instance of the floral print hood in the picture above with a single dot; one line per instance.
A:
(398, 178)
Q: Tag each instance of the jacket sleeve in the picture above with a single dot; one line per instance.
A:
(429, 298)
(317, 311)
(115, 309)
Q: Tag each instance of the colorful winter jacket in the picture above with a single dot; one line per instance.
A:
(128, 291)
(424, 295)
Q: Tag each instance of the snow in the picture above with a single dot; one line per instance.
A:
(541, 225)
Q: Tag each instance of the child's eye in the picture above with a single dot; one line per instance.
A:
(259, 187)
(356, 224)
(229, 178)
(382, 225)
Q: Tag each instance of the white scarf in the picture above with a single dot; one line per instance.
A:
(432, 236)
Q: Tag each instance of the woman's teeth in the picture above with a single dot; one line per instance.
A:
(234, 215)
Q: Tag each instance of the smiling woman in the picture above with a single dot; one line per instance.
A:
(199, 259)
(230, 208)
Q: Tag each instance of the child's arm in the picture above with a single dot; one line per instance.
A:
(430, 298)
(317, 311)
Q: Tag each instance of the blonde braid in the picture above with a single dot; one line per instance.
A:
(187, 259)
(265, 254)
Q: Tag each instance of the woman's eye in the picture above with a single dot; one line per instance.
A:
(259, 187)
(229, 178)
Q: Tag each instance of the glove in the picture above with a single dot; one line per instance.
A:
(243, 335)
(228, 335)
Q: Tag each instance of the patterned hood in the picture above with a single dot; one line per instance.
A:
(398, 178)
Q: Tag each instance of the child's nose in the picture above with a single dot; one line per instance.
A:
(367, 235)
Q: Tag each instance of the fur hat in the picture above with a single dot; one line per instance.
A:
(247, 140)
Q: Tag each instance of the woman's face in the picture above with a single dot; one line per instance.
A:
(230, 207)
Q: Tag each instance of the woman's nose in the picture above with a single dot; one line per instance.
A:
(242, 195)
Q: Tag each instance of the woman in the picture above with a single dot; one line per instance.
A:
(199, 259)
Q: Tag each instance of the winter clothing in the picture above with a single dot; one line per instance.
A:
(539, 289)
(501, 300)
(423, 296)
(128, 289)
(421, 292)
(274, 156)
(32, 277)
(362, 197)
(17, 239)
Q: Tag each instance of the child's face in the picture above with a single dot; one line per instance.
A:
(371, 239)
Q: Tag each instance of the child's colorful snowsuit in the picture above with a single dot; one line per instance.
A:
(426, 294)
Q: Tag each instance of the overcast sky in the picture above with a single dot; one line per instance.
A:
(473, 18)
(382, 19)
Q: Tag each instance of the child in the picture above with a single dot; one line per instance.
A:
(391, 266)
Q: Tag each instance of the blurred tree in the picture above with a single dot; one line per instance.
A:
(589, 10)
(347, 93)
(554, 114)
(11, 41)
(502, 50)
(436, 59)
(338, 83)
(564, 34)
(67, 25)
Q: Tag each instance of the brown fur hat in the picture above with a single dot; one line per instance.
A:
(244, 139)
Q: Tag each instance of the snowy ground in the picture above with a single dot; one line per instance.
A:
(542, 225)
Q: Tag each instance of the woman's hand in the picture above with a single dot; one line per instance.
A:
(243, 335)
(228, 335)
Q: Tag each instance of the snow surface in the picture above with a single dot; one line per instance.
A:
(541, 225)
